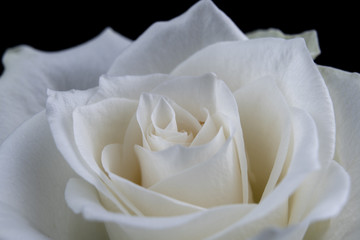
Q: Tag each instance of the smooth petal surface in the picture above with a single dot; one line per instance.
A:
(59, 110)
(175, 159)
(32, 183)
(29, 72)
(15, 226)
(310, 37)
(200, 225)
(150, 203)
(100, 124)
(344, 90)
(217, 99)
(165, 44)
(214, 182)
(304, 161)
(329, 195)
(286, 61)
(60, 107)
(130, 87)
(267, 133)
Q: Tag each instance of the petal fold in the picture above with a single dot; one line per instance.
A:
(165, 44)
(310, 37)
(29, 73)
(33, 182)
(267, 133)
(344, 88)
(286, 61)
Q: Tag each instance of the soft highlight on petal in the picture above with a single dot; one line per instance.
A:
(344, 88)
(165, 44)
(103, 123)
(29, 73)
(310, 37)
(286, 61)
(33, 183)
(266, 124)
(15, 226)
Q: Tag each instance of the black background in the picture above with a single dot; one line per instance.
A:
(55, 26)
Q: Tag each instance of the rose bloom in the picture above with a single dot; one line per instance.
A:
(193, 131)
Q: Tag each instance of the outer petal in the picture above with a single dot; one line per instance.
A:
(310, 37)
(266, 155)
(251, 219)
(32, 183)
(344, 90)
(14, 226)
(165, 44)
(29, 72)
(286, 61)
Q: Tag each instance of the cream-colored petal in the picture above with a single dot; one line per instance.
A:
(165, 44)
(329, 190)
(97, 125)
(156, 166)
(304, 161)
(266, 123)
(344, 90)
(32, 185)
(216, 181)
(286, 61)
(28, 73)
(208, 131)
(15, 226)
(146, 202)
(60, 108)
(129, 87)
(83, 198)
(310, 37)
(200, 95)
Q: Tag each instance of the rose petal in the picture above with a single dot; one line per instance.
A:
(207, 132)
(165, 44)
(29, 72)
(344, 90)
(310, 37)
(32, 183)
(266, 124)
(304, 161)
(330, 191)
(163, 164)
(329, 196)
(83, 198)
(164, 123)
(60, 107)
(130, 87)
(286, 61)
(149, 203)
(220, 103)
(14, 226)
(216, 181)
(100, 124)
(209, 92)
(200, 225)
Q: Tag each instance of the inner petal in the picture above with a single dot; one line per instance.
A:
(100, 124)
(216, 181)
(207, 132)
(164, 123)
(265, 119)
(163, 117)
(287, 61)
(156, 166)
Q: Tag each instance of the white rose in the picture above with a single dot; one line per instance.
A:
(195, 132)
